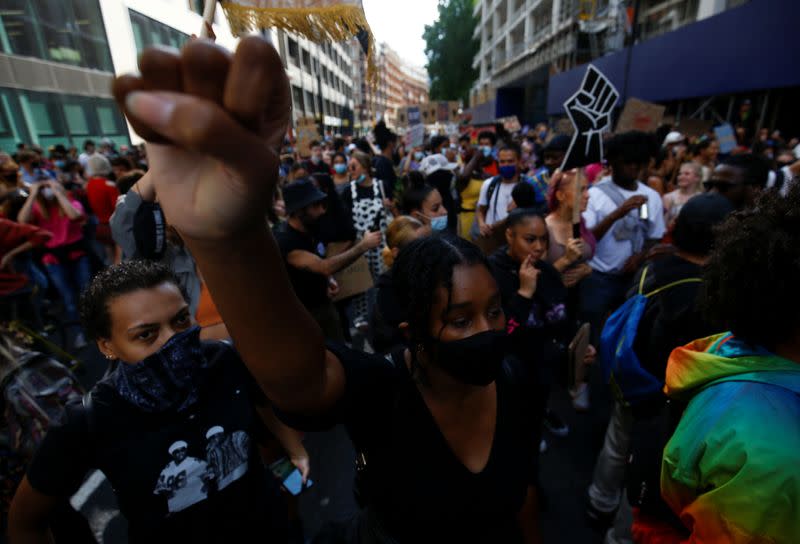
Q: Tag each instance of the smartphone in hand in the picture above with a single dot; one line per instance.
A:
(289, 476)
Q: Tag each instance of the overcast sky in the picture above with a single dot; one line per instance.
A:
(400, 23)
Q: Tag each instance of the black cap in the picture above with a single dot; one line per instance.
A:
(558, 143)
(694, 228)
(301, 193)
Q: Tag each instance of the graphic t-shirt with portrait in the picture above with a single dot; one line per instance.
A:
(190, 476)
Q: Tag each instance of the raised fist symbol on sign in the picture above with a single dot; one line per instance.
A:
(589, 110)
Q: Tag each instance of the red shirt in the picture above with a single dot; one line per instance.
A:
(102, 195)
(492, 169)
(12, 235)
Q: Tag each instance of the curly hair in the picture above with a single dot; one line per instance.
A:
(113, 282)
(421, 268)
(751, 279)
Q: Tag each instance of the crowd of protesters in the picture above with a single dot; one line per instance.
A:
(429, 298)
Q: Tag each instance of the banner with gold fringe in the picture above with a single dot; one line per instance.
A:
(317, 20)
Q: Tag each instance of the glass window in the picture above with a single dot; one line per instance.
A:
(44, 114)
(108, 117)
(297, 95)
(18, 23)
(76, 119)
(148, 32)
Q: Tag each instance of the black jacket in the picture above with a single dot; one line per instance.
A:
(387, 314)
(540, 327)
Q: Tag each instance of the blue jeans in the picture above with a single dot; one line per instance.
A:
(70, 279)
(601, 294)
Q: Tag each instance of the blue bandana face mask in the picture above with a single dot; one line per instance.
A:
(169, 379)
(509, 171)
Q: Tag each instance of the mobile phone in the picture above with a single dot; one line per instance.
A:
(290, 477)
(643, 213)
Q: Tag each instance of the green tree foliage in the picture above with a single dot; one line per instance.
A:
(450, 49)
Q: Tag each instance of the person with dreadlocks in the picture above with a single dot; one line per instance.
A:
(443, 430)
(730, 469)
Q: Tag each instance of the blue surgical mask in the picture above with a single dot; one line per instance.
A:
(360, 179)
(419, 155)
(60, 164)
(508, 171)
(543, 135)
(340, 168)
(168, 379)
(439, 223)
(486, 150)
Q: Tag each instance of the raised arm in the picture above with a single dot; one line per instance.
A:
(327, 267)
(219, 121)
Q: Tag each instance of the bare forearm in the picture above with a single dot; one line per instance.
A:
(334, 264)
(605, 225)
(68, 208)
(26, 213)
(278, 340)
(289, 439)
(528, 518)
(27, 246)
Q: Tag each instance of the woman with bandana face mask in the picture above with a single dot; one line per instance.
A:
(147, 424)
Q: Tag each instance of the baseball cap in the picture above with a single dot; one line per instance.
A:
(673, 138)
(434, 163)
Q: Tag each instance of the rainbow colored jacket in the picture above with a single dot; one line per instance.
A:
(732, 468)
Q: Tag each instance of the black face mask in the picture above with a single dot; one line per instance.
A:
(475, 360)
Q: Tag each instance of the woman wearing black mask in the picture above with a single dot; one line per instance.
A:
(174, 426)
(446, 427)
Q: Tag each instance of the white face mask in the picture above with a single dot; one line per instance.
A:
(48, 193)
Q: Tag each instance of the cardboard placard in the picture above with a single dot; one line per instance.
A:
(589, 110)
(415, 137)
(640, 115)
(576, 353)
(510, 123)
(413, 115)
(353, 280)
(307, 132)
(726, 138)
(695, 127)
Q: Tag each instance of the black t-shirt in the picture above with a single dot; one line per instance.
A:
(414, 484)
(384, 170)
(217, 492)
(311, 288)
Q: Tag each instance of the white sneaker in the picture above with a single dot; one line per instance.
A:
(580, 397)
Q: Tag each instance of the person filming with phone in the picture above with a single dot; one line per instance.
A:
(627, 219)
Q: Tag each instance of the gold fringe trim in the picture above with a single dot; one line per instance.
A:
(319, 25)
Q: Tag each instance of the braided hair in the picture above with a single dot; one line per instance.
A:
(420, 269)
(751, 280)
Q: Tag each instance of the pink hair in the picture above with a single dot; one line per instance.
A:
(554, 204)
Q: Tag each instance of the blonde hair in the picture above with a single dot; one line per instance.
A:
(696, 167)
(364, 160)
(399, 234)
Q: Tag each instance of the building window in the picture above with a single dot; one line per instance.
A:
(306, 60)
(293, 52)
(65, 32)
(297, 97)
(148, 32)
(311, 104)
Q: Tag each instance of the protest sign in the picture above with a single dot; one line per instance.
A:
(589, 110)
(415, 136)
(640, 115)
(510, 123)
(307, 131)
(726, 138)
(413, 115)
(353, 280)
(695, 127)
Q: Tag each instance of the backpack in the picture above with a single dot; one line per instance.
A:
(629, 380)
(36, 390)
